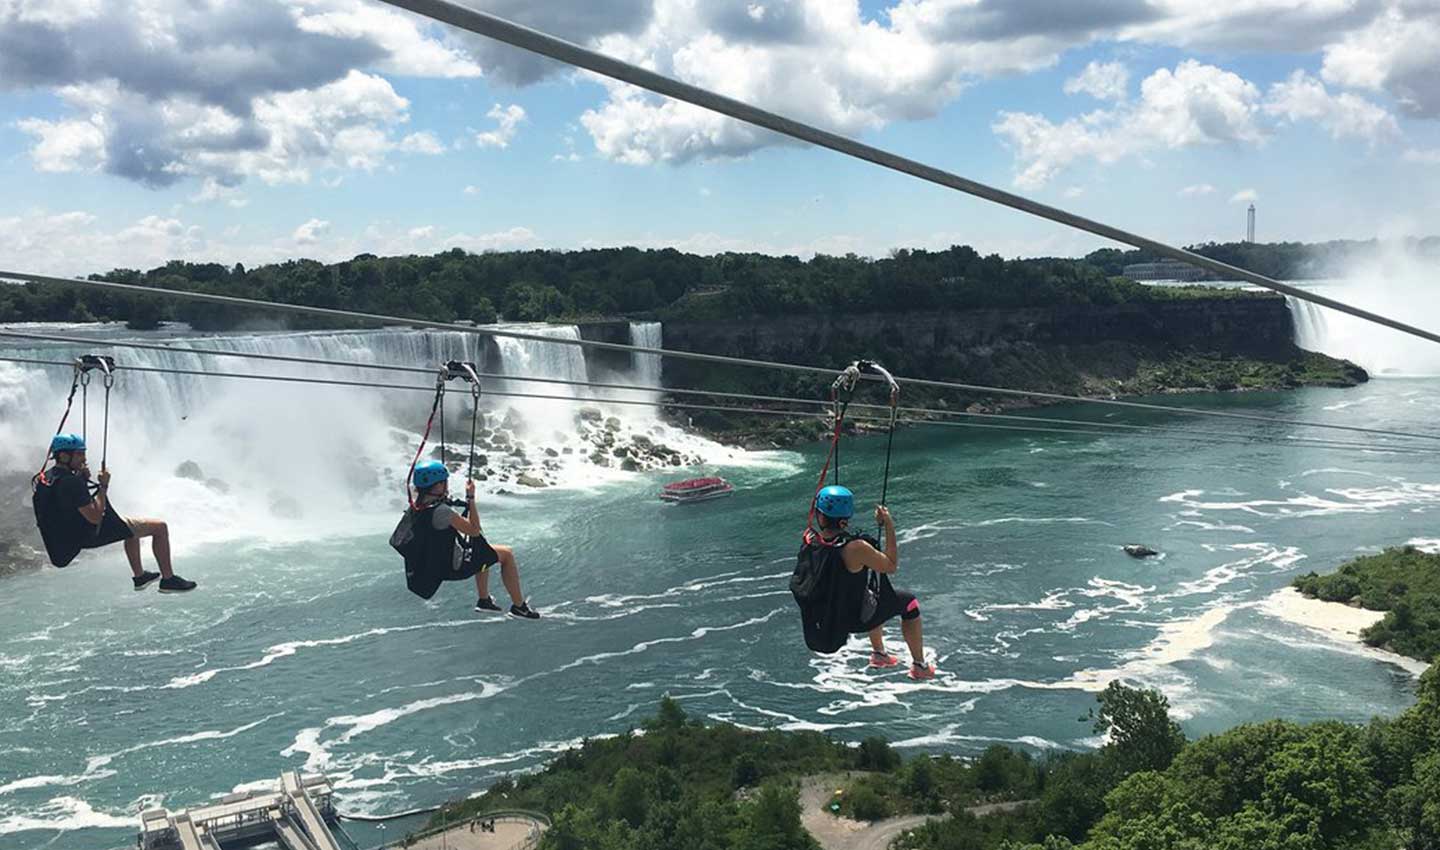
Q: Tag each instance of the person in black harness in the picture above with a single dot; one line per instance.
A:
(74, 516)
(440, 544)
(856, 594)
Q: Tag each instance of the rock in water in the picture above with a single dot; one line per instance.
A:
(1135, 550)
(525, 479)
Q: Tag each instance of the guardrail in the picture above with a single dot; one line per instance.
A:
(539, 823)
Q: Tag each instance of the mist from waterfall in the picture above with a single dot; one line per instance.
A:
(1393, 282)
(223, 457)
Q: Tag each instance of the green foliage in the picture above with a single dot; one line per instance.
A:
(874, 753)
(540, 285)
(863, 803)
(1000, 768)
(1404, 582)
(1142, 735)
(673, 786)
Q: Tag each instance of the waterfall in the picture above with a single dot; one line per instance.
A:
(204, 447)
(647, 366)
(1398, 286)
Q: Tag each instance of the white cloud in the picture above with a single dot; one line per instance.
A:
(411, 50)
(1197, 190)
(1074, 191)
(1101, 80)
(471, 190)
(1398, 53)
(422, 143)
(310, 232)
(213, 190)
(815, 60)
(77, 145)
(1245, 196)
(1304, 98)
(1194, 104)
(1424, 157)
(79, 243)
(164, 90)
(507, 120)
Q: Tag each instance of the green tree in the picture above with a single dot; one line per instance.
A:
(773, 821)
(1142, 735)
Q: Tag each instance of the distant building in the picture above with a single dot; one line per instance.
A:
(1250, 225)
(1165, 270)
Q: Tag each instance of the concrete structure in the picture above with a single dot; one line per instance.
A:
(297, 817)
(1165, 270)
(1250, 225)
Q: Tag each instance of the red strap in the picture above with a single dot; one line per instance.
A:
(410, 476)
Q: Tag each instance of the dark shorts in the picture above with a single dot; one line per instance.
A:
(892, 603)
(479, 555)
(113, 529)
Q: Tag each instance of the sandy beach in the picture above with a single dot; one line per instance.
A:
(1336, 621)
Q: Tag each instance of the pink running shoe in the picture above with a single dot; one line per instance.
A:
(882, 660)
(921, 674)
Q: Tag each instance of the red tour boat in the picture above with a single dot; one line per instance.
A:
(696, 490)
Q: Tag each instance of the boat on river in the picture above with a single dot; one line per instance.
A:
(696, 490)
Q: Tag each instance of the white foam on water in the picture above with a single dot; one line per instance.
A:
(1398, 493)
(1276, 558)
(289, 648)
(1338, 623)
(64, 814)
(950, 734)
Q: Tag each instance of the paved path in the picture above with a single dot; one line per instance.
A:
(507, 835)
(836, 833)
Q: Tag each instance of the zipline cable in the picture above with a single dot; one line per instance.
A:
(662, 352)
(1298, 442)
(750, 397)
(495, 27)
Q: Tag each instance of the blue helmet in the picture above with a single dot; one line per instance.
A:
(67, 443)
(836, 502)
(430, 473)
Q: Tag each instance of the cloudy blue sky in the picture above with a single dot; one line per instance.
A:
(135, 131)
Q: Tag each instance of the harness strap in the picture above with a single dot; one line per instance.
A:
(434, 406)
(64, 417)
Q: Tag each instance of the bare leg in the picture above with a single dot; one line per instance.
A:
(132, 553)
(510, 573)
(482, 583)
(877, 640)
(159, 533)
(913, 639)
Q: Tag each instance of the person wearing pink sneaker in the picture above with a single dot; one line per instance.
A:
(866, 577)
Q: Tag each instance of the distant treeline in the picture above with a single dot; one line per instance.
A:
(1279, 260)
(547, 285)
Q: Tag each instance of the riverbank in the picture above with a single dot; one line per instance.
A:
(1399, 588)
(1184, 374)
(1336, 621)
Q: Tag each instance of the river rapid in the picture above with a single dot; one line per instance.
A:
(302, 648)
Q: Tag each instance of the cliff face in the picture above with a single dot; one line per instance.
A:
(1122, 348)
(1252, 326)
